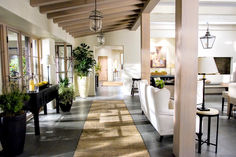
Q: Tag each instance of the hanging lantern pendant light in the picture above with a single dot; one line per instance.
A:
(95, 19)
(101, 38)
(207, 40)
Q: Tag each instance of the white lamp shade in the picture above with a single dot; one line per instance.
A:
(207, 65)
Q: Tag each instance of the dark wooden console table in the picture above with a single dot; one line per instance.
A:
(168, 79)
(40, 99)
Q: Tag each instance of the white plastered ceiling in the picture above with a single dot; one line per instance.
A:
(220, 14)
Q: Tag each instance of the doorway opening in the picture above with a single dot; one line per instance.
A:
(111, 62)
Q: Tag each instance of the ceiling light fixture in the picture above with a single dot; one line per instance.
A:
(207, 40)
(95, 19)
(101, 38)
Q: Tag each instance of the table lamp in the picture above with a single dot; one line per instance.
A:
(206, 66)
(49, 60)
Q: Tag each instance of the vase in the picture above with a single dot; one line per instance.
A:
(84, 83)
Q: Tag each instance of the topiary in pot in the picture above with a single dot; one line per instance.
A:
(66, 95)
(13, 121)
(84, 63)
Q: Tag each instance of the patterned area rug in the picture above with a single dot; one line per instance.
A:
(109, 131)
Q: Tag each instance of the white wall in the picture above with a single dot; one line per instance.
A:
(20, 15)
(48, 49)
(225, 46)
(168, 47)
(113, 57)
(130, 40)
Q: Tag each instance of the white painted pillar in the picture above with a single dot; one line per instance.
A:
(48, 48)
(186, 77)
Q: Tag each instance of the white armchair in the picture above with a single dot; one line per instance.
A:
(143, 96)
(231, 98)
(160, 116)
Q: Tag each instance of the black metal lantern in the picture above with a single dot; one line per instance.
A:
(95, 19)
(207, 40)
(101, 38)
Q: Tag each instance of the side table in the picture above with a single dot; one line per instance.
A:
(211, 113)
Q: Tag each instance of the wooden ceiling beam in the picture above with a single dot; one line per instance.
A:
(104, 28)
(86, 19)
(91, 33)
(90, 8)
(104, 25)
(120, 19)
(105, 31)
(148, 7)
(104, 12)
(74, 4)
(37, 3)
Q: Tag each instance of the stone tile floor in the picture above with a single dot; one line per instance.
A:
(60, 132)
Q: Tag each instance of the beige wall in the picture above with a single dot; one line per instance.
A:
(130, 40)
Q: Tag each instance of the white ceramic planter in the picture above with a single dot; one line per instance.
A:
(83, 86)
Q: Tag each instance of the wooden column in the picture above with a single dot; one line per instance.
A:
(39, 45)
(145, 46)
(186, 77)
(65, 58)
(4, 58)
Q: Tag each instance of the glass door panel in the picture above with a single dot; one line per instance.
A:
(35, 58)
(14, 56)
(26, 55)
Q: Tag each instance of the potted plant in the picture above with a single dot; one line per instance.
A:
(160, 84)
(83, 65)
(66, 95)
(13, 121)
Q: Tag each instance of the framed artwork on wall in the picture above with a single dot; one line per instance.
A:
(158, 58)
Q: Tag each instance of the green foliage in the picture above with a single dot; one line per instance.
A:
(83, 60)
(66, 93)
(12, 102)
(64, 82)
(14, 67)
(97, 68)
(160, 84)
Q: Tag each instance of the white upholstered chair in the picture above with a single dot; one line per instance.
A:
(143, 96)
(199, 92)
(160, 116)
(231, 98)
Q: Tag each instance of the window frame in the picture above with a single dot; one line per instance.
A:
(5, 55)
(66, 60)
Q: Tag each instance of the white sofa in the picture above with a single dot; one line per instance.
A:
(160, 116)
(155, 105)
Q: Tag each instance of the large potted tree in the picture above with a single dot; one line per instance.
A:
(84, 62)
(13, 121)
